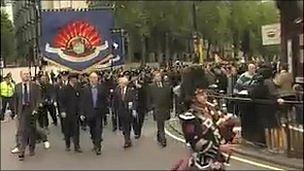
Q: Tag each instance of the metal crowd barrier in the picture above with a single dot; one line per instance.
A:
(286, 139)
(294, 134)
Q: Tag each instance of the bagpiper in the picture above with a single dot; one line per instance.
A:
(202, 126)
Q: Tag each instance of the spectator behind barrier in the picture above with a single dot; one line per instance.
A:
(245, 79)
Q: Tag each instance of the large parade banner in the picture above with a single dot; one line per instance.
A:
(77, 39)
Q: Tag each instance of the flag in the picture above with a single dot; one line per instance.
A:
(77, 39)
(118, 49)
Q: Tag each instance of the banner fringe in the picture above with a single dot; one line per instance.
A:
(95, 66)
(76, 9)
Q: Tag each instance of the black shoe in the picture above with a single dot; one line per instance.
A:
(127, 145)
(158, 138)
(137, 136)
(163, 144)
(55, 123)
(67, 149)
(13, 117)
(21, 157)
(78, 150)
(114, 129)
(98, 151)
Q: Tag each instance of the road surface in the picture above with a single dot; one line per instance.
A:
(145, 154)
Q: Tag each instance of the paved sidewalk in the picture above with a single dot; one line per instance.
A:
(263, 154)
(249, 150)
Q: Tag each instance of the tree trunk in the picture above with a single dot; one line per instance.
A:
(146, 40)
(143, 52)
(130, 49)
(159, 49)
(167, 51)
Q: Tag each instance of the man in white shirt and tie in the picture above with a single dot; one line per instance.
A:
(27, 100)
(124, 98)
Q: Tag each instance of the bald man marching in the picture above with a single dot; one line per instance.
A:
(94, 105)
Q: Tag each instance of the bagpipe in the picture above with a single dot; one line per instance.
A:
(215, 119)
(224, 121)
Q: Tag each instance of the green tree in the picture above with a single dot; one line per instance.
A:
(166, 26)
(7, 38)
(248, 17)
(169, 23)
(214, 23)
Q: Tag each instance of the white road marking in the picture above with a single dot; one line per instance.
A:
(232, 157)
(255, 163)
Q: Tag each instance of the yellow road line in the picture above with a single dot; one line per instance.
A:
(232, 157)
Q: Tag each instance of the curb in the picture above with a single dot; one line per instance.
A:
(240, 152)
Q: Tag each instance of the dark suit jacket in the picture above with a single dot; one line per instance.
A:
(48, 93)
(70, 102)
(35, 97)
(160, 99)
(122, 107)
(25, 118)
(87, 108)
(142, 98)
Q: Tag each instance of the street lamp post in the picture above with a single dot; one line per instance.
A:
(194, 16)
(195, 36)
(37, 12)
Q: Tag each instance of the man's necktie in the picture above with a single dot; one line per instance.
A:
(25, 95)
(123, 93)
(94, 96)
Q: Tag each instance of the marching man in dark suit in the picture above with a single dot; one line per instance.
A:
(111, 84)
(27, 100)
(48, 97)
(62, 81)
(124, 102)
(160, 98)
(139, 92)
(94, 104)
(69, 106)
